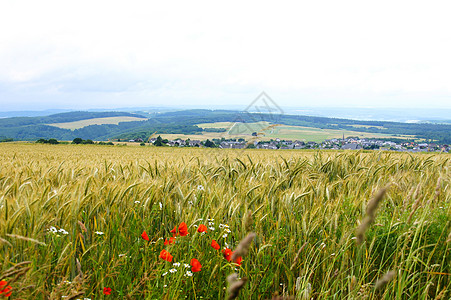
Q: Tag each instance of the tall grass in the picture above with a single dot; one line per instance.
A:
(303, 206)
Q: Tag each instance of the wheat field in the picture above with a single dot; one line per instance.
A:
(73, 219)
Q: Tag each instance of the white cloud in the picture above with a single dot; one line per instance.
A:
(105, 53)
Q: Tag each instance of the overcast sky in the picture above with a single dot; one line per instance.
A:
(107, 54)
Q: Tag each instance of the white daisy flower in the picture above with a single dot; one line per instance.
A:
(99, 233)
(164, 274)
(186, 265)
(173, 270)
(211, 228)
(189, 273)
(53, 229)
(224, 235)
(63, 231)
(177, 264)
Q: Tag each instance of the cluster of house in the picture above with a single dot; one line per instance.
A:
(345, 143)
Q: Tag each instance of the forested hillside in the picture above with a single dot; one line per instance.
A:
(184, 122)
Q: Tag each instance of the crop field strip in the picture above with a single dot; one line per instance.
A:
(72, 219)
(291, 132)
(95, 121)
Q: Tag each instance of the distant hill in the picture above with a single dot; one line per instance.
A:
(185, 122)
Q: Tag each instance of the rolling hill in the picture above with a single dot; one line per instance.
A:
(201, 123)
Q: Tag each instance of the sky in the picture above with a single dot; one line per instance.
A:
(108, 54)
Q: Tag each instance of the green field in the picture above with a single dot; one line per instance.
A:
(267, 132)
(96, 121)
(73, 219)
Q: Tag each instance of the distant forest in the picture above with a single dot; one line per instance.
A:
(184, 122)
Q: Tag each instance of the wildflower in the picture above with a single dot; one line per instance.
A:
(211, 223)
(174, 231)
(161, 205)
(211, 228)
(186, 265)
(137, 202)
(224, 235)
(169, 241)
(183, 229)
(227, 254)
(99, 233)
(202, 228)
(52, 229)
(145, 236)
(173, 270)
(200, 188)
(196, 266)
(177, 264)
(107, 291)
(63, 231)
(122, 255)
(165, 255)
(228, 230)
(5, 291)
(164, 274)
(238, 260)
(210, 220)
(215, 245)
(188, 273)
(190, 202)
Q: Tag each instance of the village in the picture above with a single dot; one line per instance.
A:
(349, 143)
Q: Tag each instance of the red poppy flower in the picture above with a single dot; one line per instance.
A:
(145, 236)
(227, 254)
(183, 229)
(174, 231)
(215, 245)
(107, 291)
(5, 291)
(169, 241)
(195, 264)
(239, 260)
(166, 255)
(202, 228)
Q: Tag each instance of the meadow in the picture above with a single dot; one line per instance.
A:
(91, 222)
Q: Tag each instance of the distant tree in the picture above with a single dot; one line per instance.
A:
(250, 146)
(77, 141)
(53, 141)
(142, 144)
(42, 141)
(209, 144)
(159, 142)
(88, 141)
